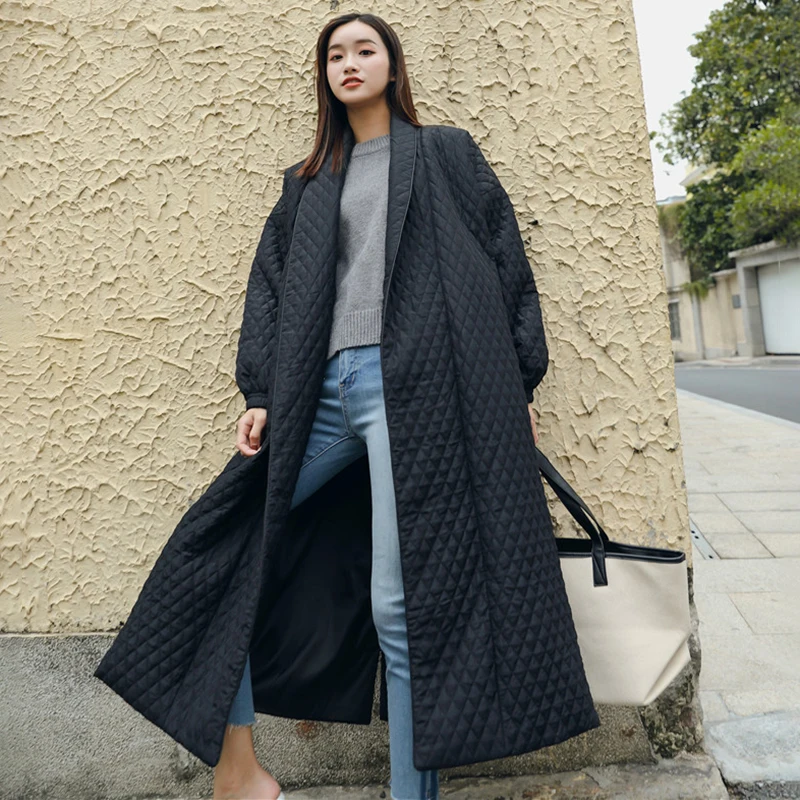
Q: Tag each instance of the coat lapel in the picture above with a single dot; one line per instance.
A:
(403, 146)
(309, 294)
(323, 194)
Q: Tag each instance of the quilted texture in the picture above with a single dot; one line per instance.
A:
(495, 664)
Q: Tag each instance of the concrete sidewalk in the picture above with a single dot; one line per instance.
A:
(743, 481)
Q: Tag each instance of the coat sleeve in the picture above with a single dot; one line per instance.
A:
(258, 334)
(496, 227)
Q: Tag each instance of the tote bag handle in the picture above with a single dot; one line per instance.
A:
(582, 514)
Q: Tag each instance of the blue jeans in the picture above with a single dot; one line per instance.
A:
(351, 421)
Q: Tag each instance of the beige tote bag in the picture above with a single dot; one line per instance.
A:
(630, 605)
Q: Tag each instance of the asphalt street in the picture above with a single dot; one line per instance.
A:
(770, 385)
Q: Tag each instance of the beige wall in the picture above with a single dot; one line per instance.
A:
(676, 272)
(722, 323)
(676, 267)
(143, 149)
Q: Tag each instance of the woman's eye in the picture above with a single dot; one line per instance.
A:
(334, 57)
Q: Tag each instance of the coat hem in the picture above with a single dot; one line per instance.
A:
(498, 753)
(173, 733)
(273, 712)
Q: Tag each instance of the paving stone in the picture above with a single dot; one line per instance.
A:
(741, 661)
(780, 545)
(718, 614)
(758, 575)
(717, 522)
(705, 501)
(762, 700)
(770, 521)
(763, 747)
(760, 501)
(737, 545)
(768, 612)
(714, 706)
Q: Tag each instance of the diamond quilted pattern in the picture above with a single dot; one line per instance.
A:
(495, 664)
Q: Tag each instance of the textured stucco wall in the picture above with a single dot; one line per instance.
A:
(143, 146)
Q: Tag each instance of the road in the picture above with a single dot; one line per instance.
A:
(758, 384)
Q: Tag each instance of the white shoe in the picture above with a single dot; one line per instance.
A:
(281, 796)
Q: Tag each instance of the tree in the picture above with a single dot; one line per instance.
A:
(747, 75)
(748, 68)
(769, 160)
(704, 227)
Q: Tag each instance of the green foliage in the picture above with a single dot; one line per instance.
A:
(748, 68)
(742, 117)
(698, 288)
(769, 211)
(705, 229)
(769, 160)
(668, 219)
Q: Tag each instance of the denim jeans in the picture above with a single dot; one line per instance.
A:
(351, 421)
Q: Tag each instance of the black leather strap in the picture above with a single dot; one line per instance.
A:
(582, 514)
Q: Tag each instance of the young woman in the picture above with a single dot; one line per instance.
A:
(385, 503)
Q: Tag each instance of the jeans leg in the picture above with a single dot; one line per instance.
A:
(242, 712)
(364, 403)
(331, 446)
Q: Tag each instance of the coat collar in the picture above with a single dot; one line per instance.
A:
(323, 194)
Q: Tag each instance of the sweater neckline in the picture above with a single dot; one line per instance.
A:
(370, 145)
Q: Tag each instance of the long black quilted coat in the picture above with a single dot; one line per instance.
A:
(495, 664)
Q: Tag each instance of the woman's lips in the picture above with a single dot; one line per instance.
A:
(353, 83)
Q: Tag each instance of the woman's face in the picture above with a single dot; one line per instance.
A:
(355, 50)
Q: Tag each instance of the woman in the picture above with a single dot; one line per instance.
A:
(390, 346)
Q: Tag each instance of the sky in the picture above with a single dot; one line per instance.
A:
(665, 31)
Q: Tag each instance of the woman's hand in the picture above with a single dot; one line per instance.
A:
(249, 429)
(533, 424)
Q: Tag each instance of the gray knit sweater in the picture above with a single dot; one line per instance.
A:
(360, 268)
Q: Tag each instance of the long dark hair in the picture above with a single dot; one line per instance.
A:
(332, 112)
